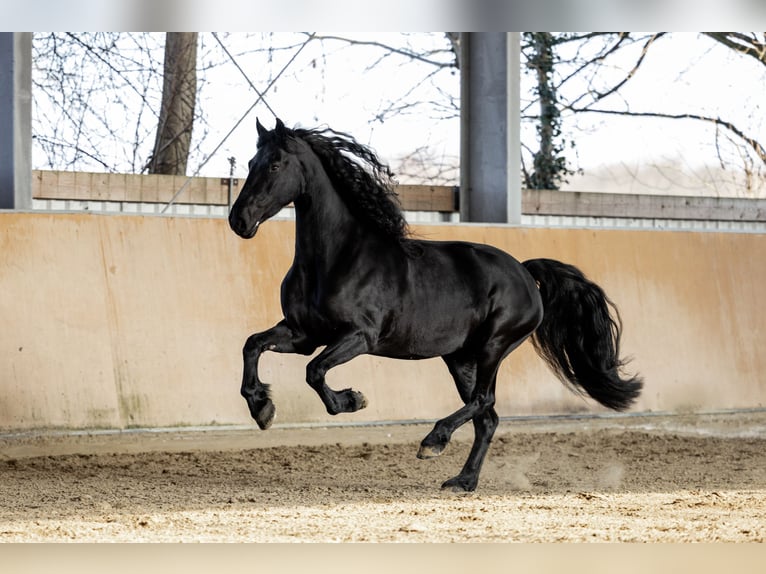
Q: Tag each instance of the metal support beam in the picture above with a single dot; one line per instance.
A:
(513, 161)
(15, 120)
(490, 178)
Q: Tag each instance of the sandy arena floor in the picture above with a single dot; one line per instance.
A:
(639, 478)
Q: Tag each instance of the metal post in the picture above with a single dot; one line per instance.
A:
(15, 120)
(465, 189)
(513, 95)
(490, 179)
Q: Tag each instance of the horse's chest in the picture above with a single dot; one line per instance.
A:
(308, 305)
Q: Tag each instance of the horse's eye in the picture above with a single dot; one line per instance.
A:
(274, 167)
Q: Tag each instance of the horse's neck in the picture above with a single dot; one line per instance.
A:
(325, 228)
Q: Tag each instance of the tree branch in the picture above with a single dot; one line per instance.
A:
(756, 146)
(411, 54)
(598, 96)
(741, 43)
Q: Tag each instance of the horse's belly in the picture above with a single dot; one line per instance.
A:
(423, 340)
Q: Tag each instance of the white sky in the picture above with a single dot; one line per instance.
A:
(335, 87)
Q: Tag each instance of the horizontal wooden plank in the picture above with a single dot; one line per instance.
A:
(589, 204)
(427, 197)
(83, 186)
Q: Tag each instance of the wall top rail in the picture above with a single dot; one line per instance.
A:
(116, 187)
(121, 187)
(590, 204)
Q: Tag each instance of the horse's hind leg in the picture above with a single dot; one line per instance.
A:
(480, 400)
(463, 368)
(463, 371)
(281, 339)
(475, 383)
(480, 408)
(484, 426)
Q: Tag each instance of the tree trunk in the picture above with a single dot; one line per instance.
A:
(179, 94)
(547, 164)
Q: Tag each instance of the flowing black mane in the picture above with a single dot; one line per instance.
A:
(364, 183)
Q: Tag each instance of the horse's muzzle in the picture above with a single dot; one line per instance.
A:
(241, 227)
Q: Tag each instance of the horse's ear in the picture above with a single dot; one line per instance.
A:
(279, 128)
(261, 130)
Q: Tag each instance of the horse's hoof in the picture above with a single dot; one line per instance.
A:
(360, 401)
(429, 451)
(459, 485)
(347, 401)
(265, 415)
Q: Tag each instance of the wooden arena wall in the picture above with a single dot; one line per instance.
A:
(138, 321)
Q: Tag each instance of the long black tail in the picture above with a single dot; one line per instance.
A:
(579, 336)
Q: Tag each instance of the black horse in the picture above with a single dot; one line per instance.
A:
(359, 284)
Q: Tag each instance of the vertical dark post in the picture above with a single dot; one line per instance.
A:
(232, 165)
(15, 120)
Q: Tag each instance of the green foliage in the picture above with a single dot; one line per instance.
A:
(550, 166)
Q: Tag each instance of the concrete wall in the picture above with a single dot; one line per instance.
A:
(120, 321)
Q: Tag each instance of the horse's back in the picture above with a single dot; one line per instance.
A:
(451, 291)
(493, 277)
(478, 263)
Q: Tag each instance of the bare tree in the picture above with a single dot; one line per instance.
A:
(116, 101)
(584, 74)
(179, 94)
(747, 44)
(588, 102)
(95, 96)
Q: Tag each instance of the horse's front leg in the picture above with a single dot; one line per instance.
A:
(343, 350)
(280, 339)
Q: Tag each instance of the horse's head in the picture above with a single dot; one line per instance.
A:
(275, 179)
